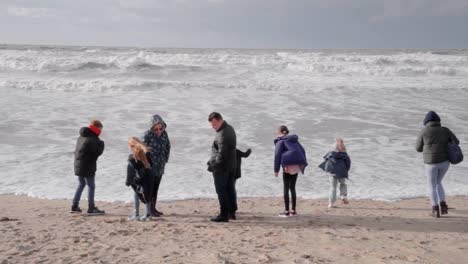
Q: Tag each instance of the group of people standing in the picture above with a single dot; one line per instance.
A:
(149, 156)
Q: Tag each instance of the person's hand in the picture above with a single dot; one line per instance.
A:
(276, 174)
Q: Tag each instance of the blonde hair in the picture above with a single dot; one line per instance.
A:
(339, 144)
(139, 150)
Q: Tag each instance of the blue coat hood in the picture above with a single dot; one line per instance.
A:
(431, 116)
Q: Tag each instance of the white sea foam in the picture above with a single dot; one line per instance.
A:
(374, 99)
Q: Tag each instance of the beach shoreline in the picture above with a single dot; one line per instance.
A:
(365, 231)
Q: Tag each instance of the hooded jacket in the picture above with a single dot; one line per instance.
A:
(223, 151)
(88, 148)
(288, 151)
(140, 178)
(433, 142)
(160, 146)
(337, 163)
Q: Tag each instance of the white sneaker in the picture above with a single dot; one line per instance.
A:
(331, 205)
(146, 218)
(133, 218)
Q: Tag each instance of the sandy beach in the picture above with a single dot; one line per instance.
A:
(43, 231)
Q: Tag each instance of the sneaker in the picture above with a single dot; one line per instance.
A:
(344, 200)
(134, 218)
(75, 209)
(292, 213)
(284, 214)
(158, 212)
(146, 218)
(95, 211)
(331, 205)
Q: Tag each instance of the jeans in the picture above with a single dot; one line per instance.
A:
(343, 188)
(435, 173)
(289, 181)
(136, 206)
(82, 182)
(224, 184)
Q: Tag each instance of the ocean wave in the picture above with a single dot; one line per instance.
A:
(128, 61)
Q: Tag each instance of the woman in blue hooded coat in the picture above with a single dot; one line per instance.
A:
(291, 156)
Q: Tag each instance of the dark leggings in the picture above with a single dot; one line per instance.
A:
(289, 181)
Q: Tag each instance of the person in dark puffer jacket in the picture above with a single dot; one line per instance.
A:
(140, 178)
(291, 156)
(157, 139)
(433, 142)
(88, 148)
(337, 164)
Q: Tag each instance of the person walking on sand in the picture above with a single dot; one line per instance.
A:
(433, 142)
(88, 148)
(223, 165)
(140, 178)
(291, 156)
(337, 164)
(157, 139)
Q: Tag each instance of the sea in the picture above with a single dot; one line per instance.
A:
(375, 99)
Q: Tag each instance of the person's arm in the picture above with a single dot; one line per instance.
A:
(348, 162)
(453, 138)
(279, 148)
(222, 151)
(244, 154)
(167, 151)
(420, 142)
(130, 174)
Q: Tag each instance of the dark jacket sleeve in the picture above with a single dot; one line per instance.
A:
(420, 142)
(222, 151)
(347, 162)
(279, 148)
(243, 154)
(452, 137)
(131, 173)
(167, 151)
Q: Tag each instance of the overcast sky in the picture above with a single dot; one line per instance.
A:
(237, 23)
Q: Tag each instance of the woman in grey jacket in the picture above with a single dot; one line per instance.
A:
(433, 143)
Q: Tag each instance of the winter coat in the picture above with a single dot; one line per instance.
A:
(160, 146)
(140, 178)
(288, 151)
(223, 151)
(433, 142)
(239, 156)
(88, 148)
(337, 163)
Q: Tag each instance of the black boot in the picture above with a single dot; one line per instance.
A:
(435, 211)
(443, 208)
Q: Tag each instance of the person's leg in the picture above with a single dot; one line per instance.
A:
(136, 205)
(79, 191)
(442, 169)
(286, 182)
(91, 188)
(232, 195)
(343, 190)
(431, 174)
(221, 186)
(292, 187)
(333, 183)
(157, 182)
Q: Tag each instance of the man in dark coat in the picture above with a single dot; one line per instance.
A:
(223, 165)
(88, 148)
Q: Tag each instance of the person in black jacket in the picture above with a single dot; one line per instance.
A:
(88, 148)
(223, 165)
(238, 175)
(140, 178)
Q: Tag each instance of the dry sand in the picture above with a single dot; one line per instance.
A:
(43, 231)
